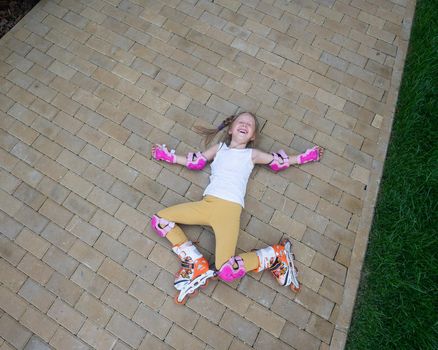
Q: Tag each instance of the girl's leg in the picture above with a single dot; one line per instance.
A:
(193, 213)
(225, 224)
(251, 260)
(195, 271)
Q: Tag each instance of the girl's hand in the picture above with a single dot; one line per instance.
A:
(160, 152)
(311, 155)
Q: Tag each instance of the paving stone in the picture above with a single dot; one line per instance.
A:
(181, 340)
(36, 343)
(290, 310)
(96, 337)
(39, 324)
(116, 274)
(239, 327)
(32, 243)
(60, 261)
(152, 321)
(152, 342)
(11, 304)
(58, 236)
(65, 340)
(257, 291)
(212, 335)
(89, 280)
(14, 333)
(64, 288)
(299, 339)
(35, 268)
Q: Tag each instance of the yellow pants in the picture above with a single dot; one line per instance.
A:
(224, 218)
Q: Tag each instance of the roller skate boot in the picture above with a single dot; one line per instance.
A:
(279, 259)
(194, 273)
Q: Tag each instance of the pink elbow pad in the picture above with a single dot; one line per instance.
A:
(232, 269)
(196, 161)
(311, 155)
(162, 153)
(280, 161)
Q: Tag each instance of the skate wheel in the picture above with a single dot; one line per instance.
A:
(194, 294)
(294, 288)
(180, 302)
(205, 285)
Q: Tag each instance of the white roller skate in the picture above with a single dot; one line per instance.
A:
(280, 260)
(194, 273)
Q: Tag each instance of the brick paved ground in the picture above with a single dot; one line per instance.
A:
(86, 87)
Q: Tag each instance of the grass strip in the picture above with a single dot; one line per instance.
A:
(397, 304)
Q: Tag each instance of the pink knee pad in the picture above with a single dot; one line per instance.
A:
(161, 226)
(232, 269)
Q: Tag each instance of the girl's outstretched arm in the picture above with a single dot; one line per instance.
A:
(280, 160)
(193, 161)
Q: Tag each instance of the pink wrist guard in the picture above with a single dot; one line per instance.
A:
(162, 153)
(196, 161)
(311, 155)
(280, 161)
(232, 269)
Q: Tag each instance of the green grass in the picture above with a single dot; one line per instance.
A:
(397, 304)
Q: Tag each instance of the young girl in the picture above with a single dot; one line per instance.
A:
(221, 206)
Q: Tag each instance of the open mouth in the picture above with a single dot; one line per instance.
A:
(242, 131)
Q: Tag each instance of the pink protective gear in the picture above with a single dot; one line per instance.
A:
(311, 155)
(196, 161)
(161, 226)
(162, 153)
(280, 161)
(232, 269)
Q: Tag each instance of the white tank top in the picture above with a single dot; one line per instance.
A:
(230, 172)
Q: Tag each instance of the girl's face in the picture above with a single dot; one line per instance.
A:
(243, 128)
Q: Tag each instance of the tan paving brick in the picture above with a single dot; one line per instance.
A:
(152, 321)
(86, 255)
(152, 342)
(39, 324)
(116, 274)
(299, 339)
(35, 269)
(96, 336)
(119, 300)
(11, 304)
(212, 335)
(56, 213)
(182, 316)
(14, 333)
(32, 243)
(240, 327)
(89, 280)
(64, 288)
(147, 293)
(65, 340)
(66, 316)
(58, 236)
(181, 340)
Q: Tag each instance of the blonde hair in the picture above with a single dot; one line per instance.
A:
(210, 133)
